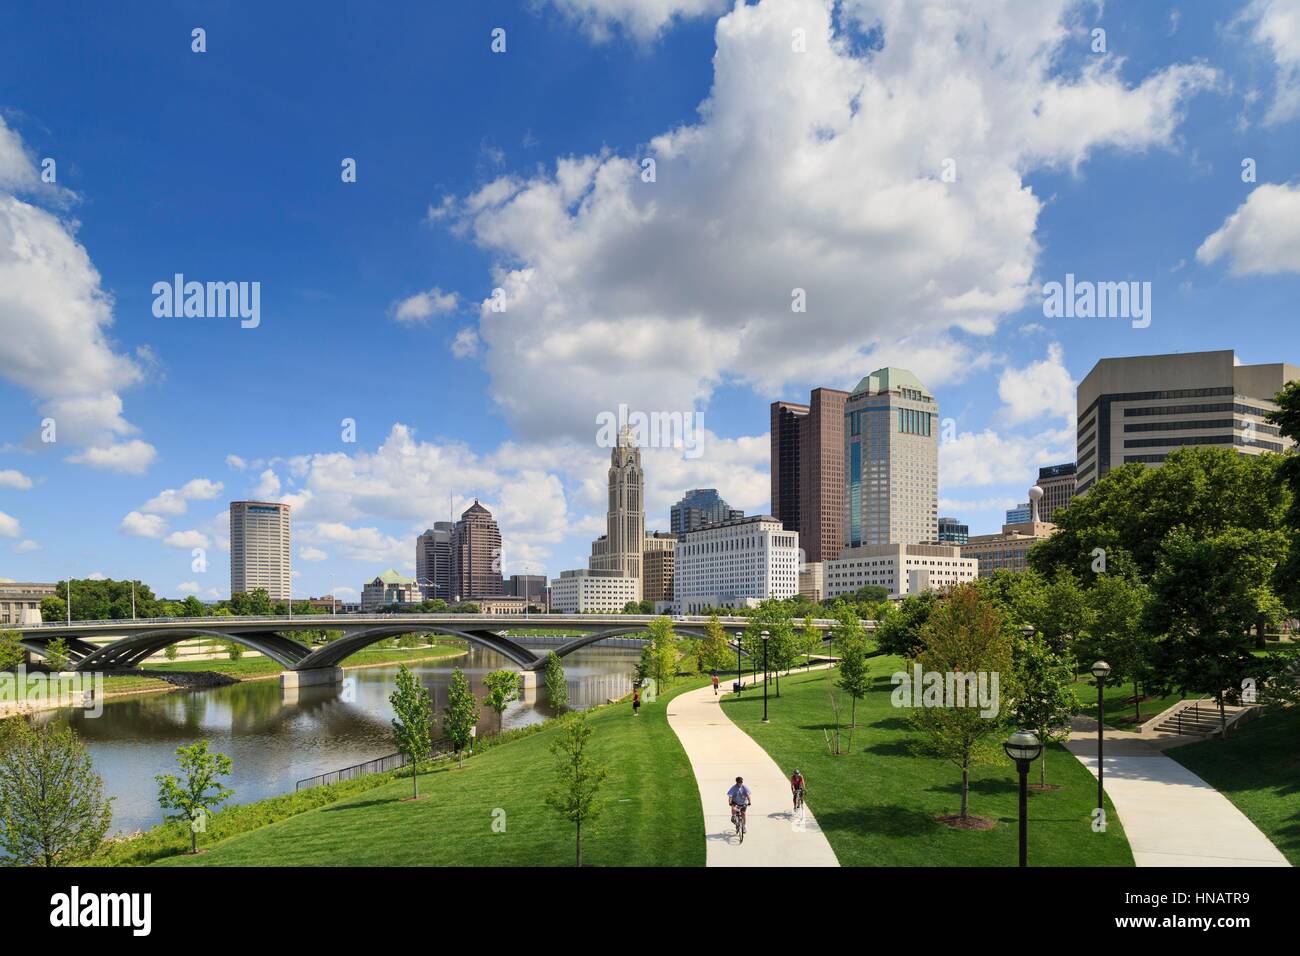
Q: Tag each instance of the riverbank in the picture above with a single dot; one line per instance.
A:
(652, 813)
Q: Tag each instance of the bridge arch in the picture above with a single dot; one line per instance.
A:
(333, 653)
(131, 651)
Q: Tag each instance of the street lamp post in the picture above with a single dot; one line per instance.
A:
(740, 677)
(1101, 670)
(1023, 747)
(766, 636)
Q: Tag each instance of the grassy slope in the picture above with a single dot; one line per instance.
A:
(877, 806)
(652, 817)
(258, 666)
(1258, 769)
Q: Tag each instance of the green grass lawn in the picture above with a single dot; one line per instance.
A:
(878, 804)
(130, 684)
(1120, 711)
(1258, 769)
(652, 816)
(260, 666)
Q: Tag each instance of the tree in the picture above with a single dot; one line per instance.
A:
(579, 776)
(412, 722)
(12, 653)
(234, 650)
(460, 716)
(56, 654)
(1206, 596)
(1287, 420)
(659, 656)
(1117, 635)
(781, 649)
(198, 791)
(502, 687)
(715, 650)
(52, 805)
(557, 688)
(900, 633)
(965, 634)
(854, 677)
(1045, 701)
(810, 641)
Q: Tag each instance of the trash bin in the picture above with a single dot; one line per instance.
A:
(735, 687)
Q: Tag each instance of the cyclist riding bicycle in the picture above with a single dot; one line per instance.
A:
(739, 798)
(797, 787)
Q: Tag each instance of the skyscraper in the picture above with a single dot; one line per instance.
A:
(476, 555)
(625, 520)
(259, 548)
(1057, 482)
(1141, 408)
(807, 463)
(952, 531)
(701, 506)
(433, 561)
(891, 460)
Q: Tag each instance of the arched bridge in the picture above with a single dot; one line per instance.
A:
(106, 645)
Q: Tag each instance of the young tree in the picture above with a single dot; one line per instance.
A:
(900, 633)
(1119, 610)
(659, 656)
(810, 641)
(502, 687)
(11, 652)
(197, 791)
(412, 722)
(1046, 700)
(964, 634)
(52, 805)
(780, 651)
(234, 650)
(854, 676)
(715, 650)
(460, 716)
(578, 777)
(557, 688)
(56, 654)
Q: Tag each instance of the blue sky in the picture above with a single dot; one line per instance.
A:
(777, 169)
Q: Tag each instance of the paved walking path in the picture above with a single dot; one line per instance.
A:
(720, 752)
(1171, 816)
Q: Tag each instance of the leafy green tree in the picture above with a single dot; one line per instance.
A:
(54, 609)
(579, 776)
(52, 805)
(1206, 595)
(781, 650)
(1287, 420)
(715, 651)
(412, 722)
(557, 688)
(198, 791)
(460, 716)
(965, 634)
(810, 640)
(502, 687)
(900, 633)
(56, 654)
(1118, 635)
(193, 607)
(1045, 701)
(853, 674)
(234, 650)
(170, 651)
(12, 653)
(659, 656)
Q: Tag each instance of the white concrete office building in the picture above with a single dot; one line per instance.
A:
(259, 548)
(734, 564)
(902, 568)
(589, 591)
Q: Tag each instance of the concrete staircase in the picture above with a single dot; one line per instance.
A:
(1198, 718)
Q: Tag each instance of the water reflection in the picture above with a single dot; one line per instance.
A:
(276, 738)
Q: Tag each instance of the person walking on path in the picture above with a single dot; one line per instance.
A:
(636, 703)
(715, 685)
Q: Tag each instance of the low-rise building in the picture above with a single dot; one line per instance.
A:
(20, 602)
(735, 564)
(901, 568)
(812, 581)
(390, 588)
(590, 591)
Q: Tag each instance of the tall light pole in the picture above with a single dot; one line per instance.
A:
(1023, 747)
(68, 602)
(1101, 670)
(334, 601)
(740, 677)
(765, 636)
(133, 600)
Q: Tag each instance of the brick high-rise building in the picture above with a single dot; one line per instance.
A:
(433, 561)
(807, 465)
(476, 555)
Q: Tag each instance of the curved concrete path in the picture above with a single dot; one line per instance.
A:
(719, 752)
(1171, 816)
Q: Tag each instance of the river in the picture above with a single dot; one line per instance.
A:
(276, 738)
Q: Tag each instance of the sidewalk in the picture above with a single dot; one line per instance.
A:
(720, 752)
(1171, 816)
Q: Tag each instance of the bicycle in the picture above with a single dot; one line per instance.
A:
(798, 799)
(738, 821)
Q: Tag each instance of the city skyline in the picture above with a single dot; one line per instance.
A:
(379, 381)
